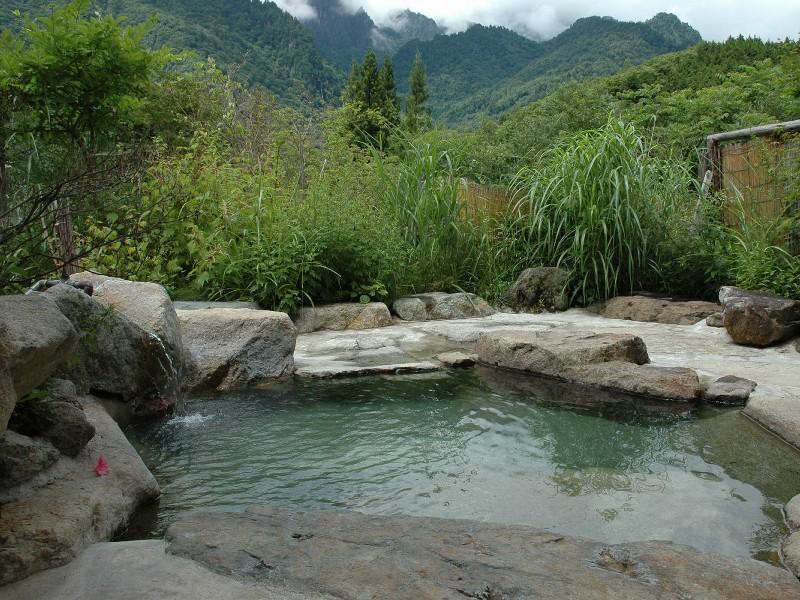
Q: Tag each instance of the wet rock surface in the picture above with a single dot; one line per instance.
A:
(538, 289)
(46, 521)
(22, 457)
(115, 357)
(657, 310)
(140, 570)
(730, 391)
(148, 305)
(232, 348)
(791, 553)
(350, 555)
(792, 510)
(758, 318)
(457, 360)
(35, 340)
(336, 317)
(61, 422)
(437, 306)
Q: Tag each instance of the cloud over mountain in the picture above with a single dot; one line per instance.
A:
(542, 19)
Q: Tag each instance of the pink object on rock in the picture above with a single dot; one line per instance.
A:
(101, 468)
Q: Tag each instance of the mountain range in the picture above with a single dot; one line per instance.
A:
(483, 71)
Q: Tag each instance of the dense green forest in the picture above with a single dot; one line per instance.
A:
(679, 98)
(486, 71)
(139, 162)
(263, 44)
(483, 71)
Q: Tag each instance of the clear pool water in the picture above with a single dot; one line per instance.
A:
(485, 445)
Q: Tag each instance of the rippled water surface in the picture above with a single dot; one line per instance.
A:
(481, 445)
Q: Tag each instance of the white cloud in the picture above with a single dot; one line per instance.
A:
(715, 19)
(300, 9)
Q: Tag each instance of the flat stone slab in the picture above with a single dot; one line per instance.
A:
(457, 360)
(611, 361)
(50, 519)
(351, 555)
(730, 391)
(139, 571)
(203, 305)
(658, 310)
(335, 371)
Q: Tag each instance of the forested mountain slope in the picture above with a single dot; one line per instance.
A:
(487, 71)
(344, 36)
(268, 46)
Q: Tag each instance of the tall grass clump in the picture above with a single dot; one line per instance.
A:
(421, 190)
(601, 205)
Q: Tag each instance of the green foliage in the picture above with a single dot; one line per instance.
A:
(370, 111)
(417, 113)
(486, 71)
(598, 205)
(422, 193)
(76, 79)
(264, 45)
(680, 98)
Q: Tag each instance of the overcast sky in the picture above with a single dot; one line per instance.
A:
(714, 19)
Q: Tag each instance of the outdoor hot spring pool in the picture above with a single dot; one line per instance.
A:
(484, 445)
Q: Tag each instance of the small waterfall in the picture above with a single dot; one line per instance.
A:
(172, 388)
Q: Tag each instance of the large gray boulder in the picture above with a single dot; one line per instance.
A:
(148, 305)
(58, 418)
(657, 310)
(758, 318)
(791, 553)
(22, 457)
(438, 306)
(337, 317)
(351, 555)
(611, 361)
(792, 511)
(35, 339)
(233, 348)
(538, 289)
(48, 520)
(116, 358)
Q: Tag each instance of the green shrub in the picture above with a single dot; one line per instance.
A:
(600, 205)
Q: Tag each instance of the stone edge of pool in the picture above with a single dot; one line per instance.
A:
(103, 505)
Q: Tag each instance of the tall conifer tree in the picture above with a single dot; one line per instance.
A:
(417, 114)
